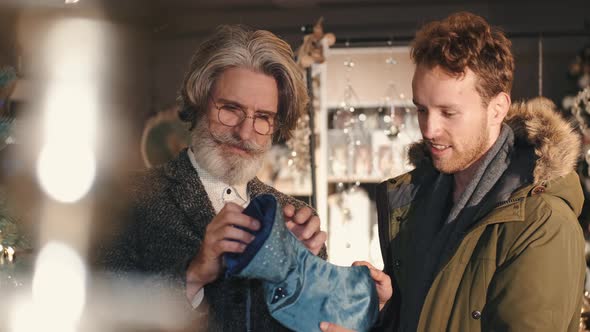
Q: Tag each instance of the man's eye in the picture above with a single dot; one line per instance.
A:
(264, 116)
(229, 107)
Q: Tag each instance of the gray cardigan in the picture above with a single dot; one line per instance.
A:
(169, 212)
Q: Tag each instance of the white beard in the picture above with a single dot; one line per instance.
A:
(230, 168)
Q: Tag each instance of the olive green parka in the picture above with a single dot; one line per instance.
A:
(518, 267)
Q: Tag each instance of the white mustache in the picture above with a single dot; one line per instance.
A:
(229, 139)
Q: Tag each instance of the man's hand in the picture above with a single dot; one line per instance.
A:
(306, 227)
(382, 282)
(330, 327)
(384, 293)
(220, 237)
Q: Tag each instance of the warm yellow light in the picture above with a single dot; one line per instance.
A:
(60, 275)
(66, 166)
(66, 173)
(58, 294)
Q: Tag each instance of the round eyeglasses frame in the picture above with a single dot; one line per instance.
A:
(241, 115)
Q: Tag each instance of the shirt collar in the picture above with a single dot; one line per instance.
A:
(218, 191)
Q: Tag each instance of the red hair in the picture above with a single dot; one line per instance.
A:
(465, 40)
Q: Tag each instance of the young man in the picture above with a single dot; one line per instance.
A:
(483, 234)
(242, 88)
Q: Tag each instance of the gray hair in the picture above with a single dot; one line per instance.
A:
(233, 46)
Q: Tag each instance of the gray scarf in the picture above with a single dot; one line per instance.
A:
(441, 225)
(493, 165)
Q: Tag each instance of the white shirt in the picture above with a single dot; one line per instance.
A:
(219, 193)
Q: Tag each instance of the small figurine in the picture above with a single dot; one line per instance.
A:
(312, 49)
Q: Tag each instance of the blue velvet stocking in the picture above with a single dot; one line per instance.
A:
(302, 290)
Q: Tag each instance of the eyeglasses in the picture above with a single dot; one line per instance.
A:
(232, 115)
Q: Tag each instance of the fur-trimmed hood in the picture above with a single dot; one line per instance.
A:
(536, 122)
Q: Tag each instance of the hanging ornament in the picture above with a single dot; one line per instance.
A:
(390, 96)
(299, 146)
(390, 60)
(579, 72)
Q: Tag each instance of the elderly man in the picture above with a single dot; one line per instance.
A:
(242, 89)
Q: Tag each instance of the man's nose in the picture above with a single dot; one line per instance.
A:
(246, 128)
(429, 125)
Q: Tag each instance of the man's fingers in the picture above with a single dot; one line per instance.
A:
(372, 269)
(302, 215)
(363, 263)
(311, 228)
(377, 275)
(325, 327)
(306, 230)
(316, 242)
(233, 233)
(231, 206)
(382, 282)
(229, 246)
(235, 219)
(306, 227)
(330, 327)
(290, 225)
(288, 211)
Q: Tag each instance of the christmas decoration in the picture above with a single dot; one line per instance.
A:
(310, 52)
(164, 136)
(7, 86)
(14, 249)
(312, 48)
(580, 108)
(299, 146)
(579, 72)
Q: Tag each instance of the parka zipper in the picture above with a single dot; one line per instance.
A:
(510, 201)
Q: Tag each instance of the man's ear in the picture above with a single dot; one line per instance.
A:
(498, 107)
